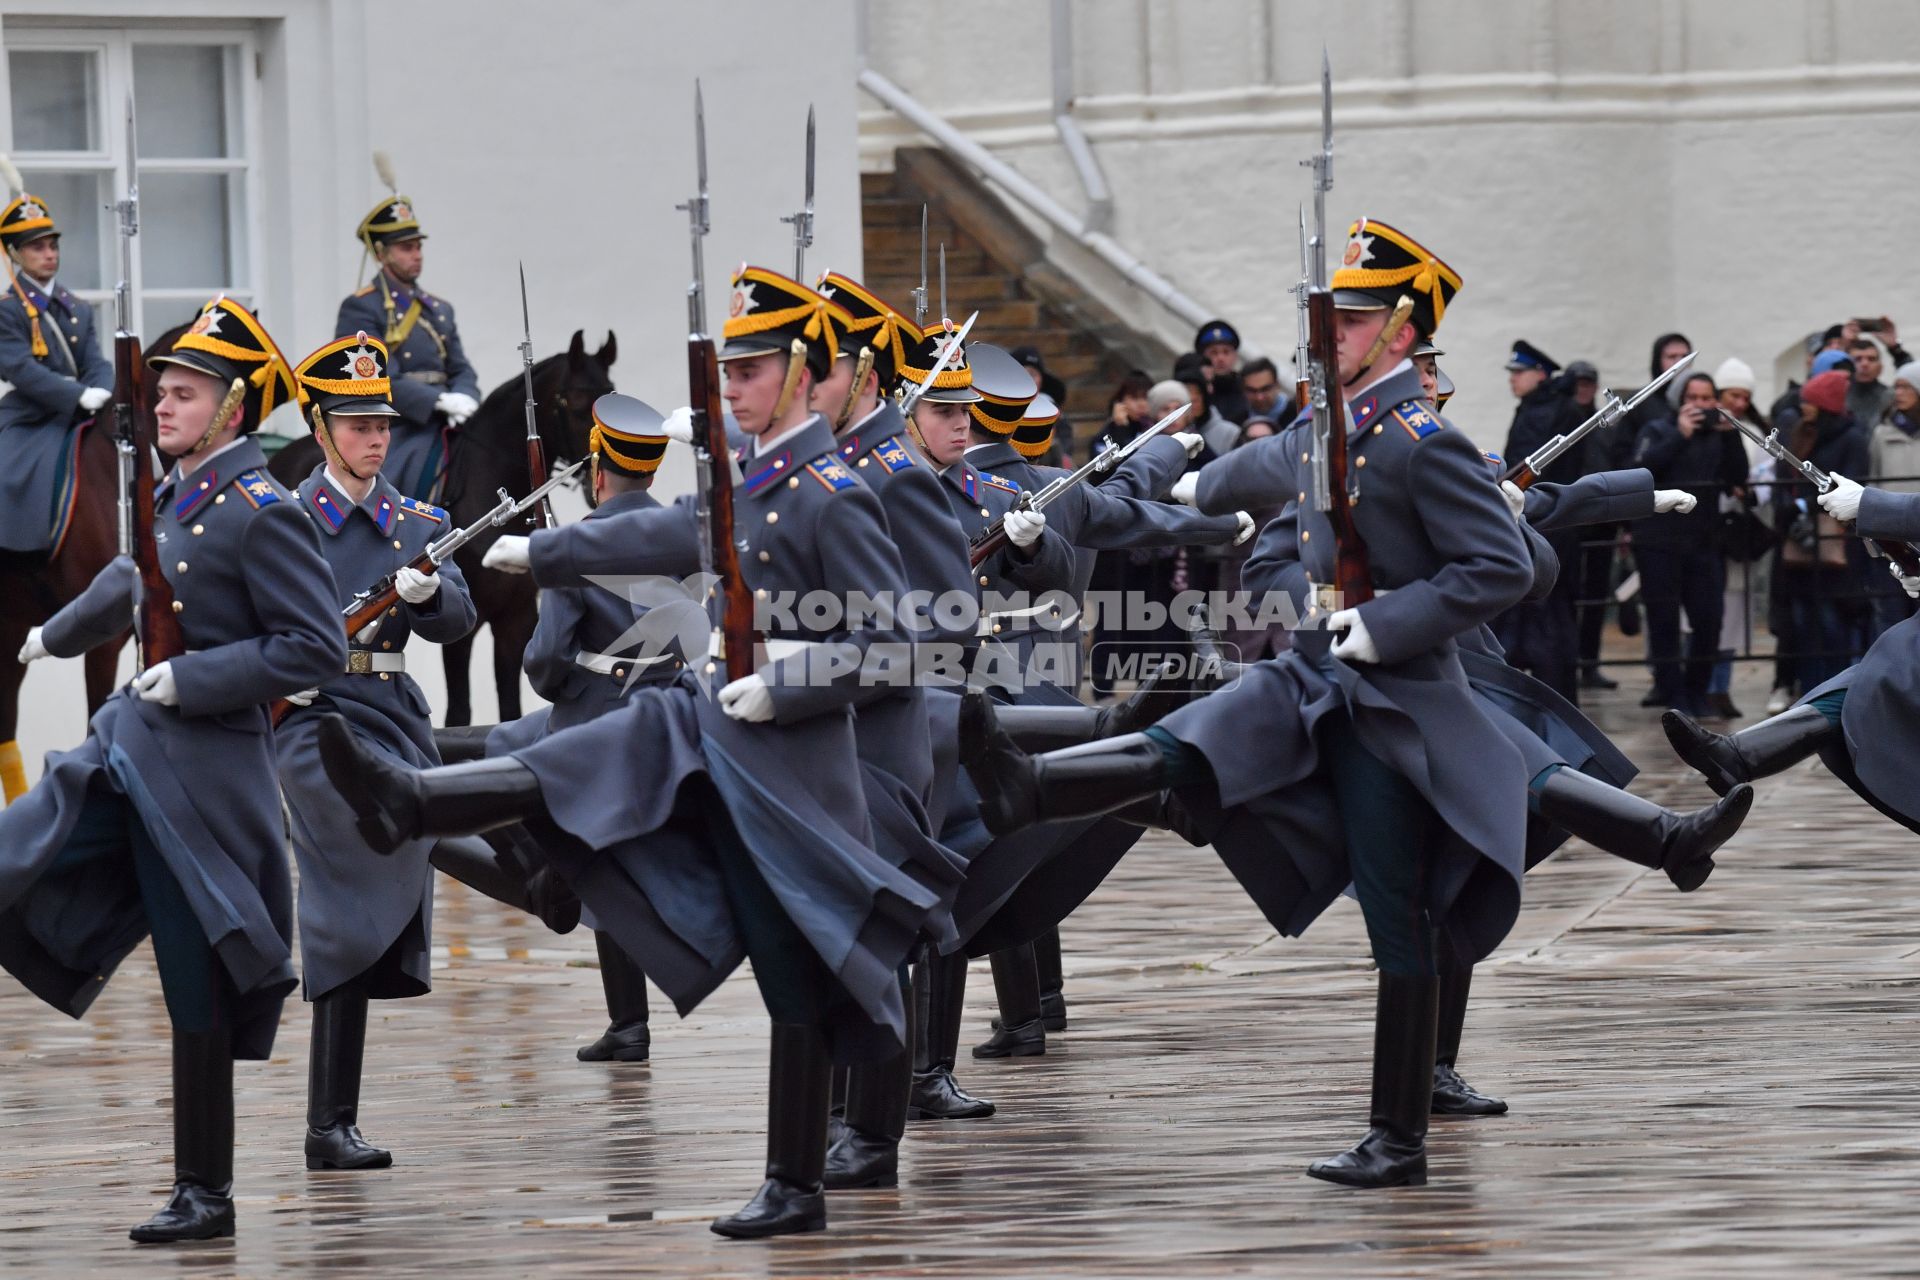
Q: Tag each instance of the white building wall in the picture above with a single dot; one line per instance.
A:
(1598, 173)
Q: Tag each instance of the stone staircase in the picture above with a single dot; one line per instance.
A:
(997, 266)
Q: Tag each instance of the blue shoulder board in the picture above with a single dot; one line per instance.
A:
(424, 510)
(893, 455)
(1494, 458)
(999, 482)
(257, 488)
(1419, 423)
(831, 474)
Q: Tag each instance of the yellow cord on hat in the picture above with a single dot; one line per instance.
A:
(33, 312)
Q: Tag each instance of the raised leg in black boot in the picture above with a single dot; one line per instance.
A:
(627, 1038)
(866, 1152)
(1728, 759)
(1394, 1152)
(1018, 790)
(1016, 982)
(1638, 830)
(1452, 1095)
(940, 988)
(463, 743)
(333, 1083)
(201, 1207)
(791, 1199)
(393, 803)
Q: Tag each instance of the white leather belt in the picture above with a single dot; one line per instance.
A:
(1326, 596)
(611, 664)
(432, 377)
(365, 662)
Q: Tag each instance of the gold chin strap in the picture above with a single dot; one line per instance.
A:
(862, 366)
(796, 361)
(229, 406)
(913, 427)
(324, 434)
(1402, 312)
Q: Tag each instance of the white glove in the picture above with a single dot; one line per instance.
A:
(156, 684)
(93, 397)
(679, 425)
(1186, 490)
(1247, 527)
(1356, 645)
(457, 405)
(1842, 502)
(34, 649)
(1025, 527)
(509, 553)
(1516, 497)
(1190, 441)
(1910, 585)
(1665, 500)
(749, 699)
(304, 698)
(414, 586)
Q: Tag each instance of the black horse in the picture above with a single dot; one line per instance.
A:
(489, 453)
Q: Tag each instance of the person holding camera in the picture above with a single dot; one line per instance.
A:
(1679, 557)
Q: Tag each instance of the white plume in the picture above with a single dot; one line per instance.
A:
(383, 166)
(15, 187)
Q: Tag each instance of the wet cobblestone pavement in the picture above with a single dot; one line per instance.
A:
(1712, 1084)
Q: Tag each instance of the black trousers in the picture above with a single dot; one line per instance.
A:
(1673, 578)
(1594, 583)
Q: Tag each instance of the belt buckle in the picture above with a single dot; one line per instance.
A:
(359, 662)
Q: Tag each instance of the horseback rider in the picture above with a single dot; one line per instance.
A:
(50, 353)
(434, 387)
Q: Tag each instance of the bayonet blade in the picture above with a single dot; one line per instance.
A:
(803, 220)
(943, 282)
(700, 143)
(526, 319)
(920, 294)
(697, 218)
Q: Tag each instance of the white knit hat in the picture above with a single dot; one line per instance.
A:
(1734, 373)
(1909, 373)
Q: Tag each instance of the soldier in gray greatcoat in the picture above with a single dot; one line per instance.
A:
(166, 822)
(435, 388)
(50, 354)
(365, 920)
(1860, 722)
(747, 834)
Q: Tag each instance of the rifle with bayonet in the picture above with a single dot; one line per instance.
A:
(1612, 410)
(994, 536)
(1353, 578)
(1902, 554)
(920, 293)
(803, 220)
(369, 606)
(914, 390)
(733, 629)
(536, 447)
(1303, 348)
(157, 636)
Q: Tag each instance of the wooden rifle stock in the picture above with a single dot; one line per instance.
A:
(542, 517)
(1352, 577)
(1520, 476)
(366, 610)
(736, 601)
(991, 539)
(158, 627)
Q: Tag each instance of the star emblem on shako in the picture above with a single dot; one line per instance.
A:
(744, 299)
(361, 363)
(32, 209)
(209, 322)
(1359, 251)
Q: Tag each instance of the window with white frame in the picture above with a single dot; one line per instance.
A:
(66, 94)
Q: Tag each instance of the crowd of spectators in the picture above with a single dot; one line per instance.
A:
(1755, 570)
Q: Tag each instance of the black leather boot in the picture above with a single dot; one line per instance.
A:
(866, 1151)
(1053, 997)
(1018, 790)
(940, 988)
(791, 1199)
(627, 1038)
(1394, 1152)
(201, 1206)
(1452, 1095)
(333, 1084)
(393, 803)
(463, 743)
(1727, 759)
(1640, 831)
(1016, 982)
(502, 865)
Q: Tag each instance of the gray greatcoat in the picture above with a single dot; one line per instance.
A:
(363, 914)
(795, 791)
(257, 605)
(39, 417)
(1446, 556)
(426, 360)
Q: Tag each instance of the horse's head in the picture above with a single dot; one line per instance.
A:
(573, 381)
